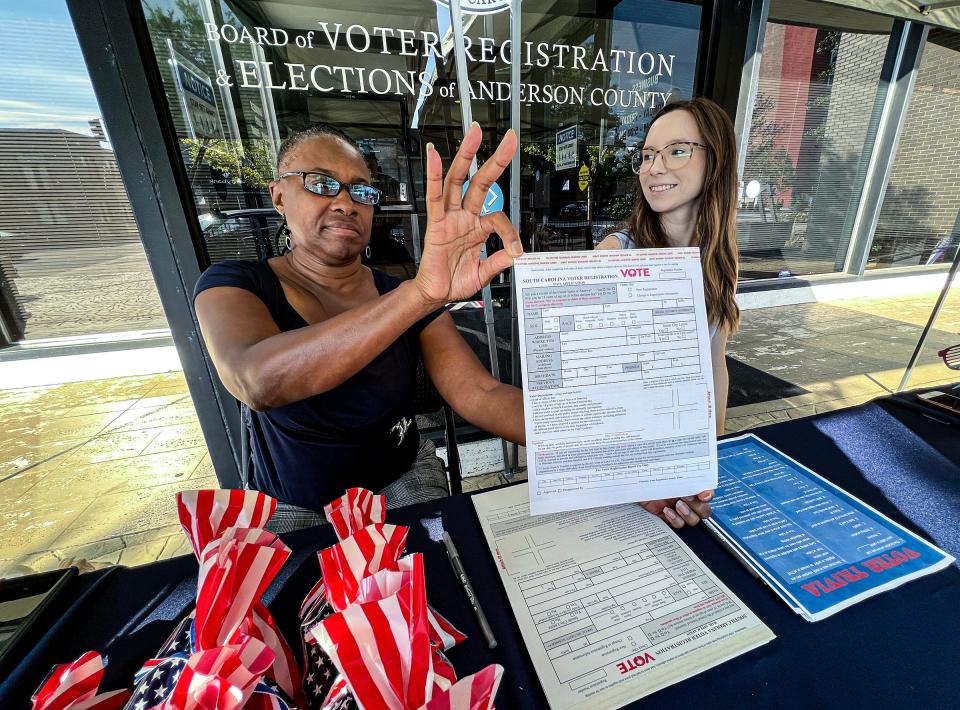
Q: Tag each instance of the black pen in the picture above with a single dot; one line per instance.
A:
(468, 588)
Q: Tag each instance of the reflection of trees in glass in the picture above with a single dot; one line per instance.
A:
(183, 25)
(609, 171)
(540, 156)
(766, 162)
(246, 162)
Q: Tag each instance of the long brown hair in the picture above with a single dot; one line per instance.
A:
(715, 231)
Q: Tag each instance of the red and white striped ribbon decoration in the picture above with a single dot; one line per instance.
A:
(220, 678)
(206, 514)
(355, 510)
(73, 686)
(315, 596)
(285, 670)
(475, 692)
(444, 674)
(382, 648)
(339, 693)
(234, 572)
(388, 580)
(444, 634)
(368, 551)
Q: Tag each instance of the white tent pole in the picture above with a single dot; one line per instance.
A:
(466, 115)
(515, 210)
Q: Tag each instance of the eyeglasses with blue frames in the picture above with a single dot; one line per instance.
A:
(327, 186)
(674, 155)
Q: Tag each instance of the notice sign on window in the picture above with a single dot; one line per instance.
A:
(567, 148)
(196, 97)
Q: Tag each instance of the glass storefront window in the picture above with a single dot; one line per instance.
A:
(810, 138)
(241, 76)
(71, 261)
(919, 222)
(97, 428)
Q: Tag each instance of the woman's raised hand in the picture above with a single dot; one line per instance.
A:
(451, 268)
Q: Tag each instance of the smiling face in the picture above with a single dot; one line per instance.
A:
(667, 190)
(335, 229)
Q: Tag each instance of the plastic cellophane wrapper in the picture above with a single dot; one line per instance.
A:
(229, 653)
(381, 646)
(366, 566)
(357, 510)
(73, 686)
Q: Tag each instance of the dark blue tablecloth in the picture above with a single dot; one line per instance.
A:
(899, 649)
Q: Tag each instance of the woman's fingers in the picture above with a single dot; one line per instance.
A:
(687, 513)
(493, 265)
(434, 186)
(460, 167)
(488, 173)
(689, 510)
(653, 506)
(675, 520)
(698, 506)
(498, 223)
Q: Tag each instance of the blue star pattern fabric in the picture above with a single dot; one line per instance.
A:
(157, 679)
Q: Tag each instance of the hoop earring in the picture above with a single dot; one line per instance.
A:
(284, 239)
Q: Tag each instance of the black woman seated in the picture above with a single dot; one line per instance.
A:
(324, 350)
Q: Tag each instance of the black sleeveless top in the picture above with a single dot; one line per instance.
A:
(361, 433)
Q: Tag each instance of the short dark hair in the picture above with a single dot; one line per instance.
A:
(317, 130)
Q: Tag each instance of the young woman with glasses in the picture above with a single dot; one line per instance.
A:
(324, 350)
(687, 168)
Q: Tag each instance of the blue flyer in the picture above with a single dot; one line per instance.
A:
(819, 547)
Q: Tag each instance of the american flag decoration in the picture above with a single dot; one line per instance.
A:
(355, 510)
(224, 678)
(340, 697)
(382, 648)
(343, 566)
(238, 561)
(157, 679)
(321, 678)
(206, 514)
(367, 551)
(235, 570)
(73, 686)
(475, 692)
(388, 580)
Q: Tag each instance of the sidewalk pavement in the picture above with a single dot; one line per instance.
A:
(88, 470)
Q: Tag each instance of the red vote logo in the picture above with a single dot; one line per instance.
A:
(635, 663)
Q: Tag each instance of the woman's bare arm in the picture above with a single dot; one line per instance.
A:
(265, 368)
(465, 384)
(721, 380)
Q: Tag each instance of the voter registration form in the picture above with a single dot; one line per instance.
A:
(617, 377)
(611, 604)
